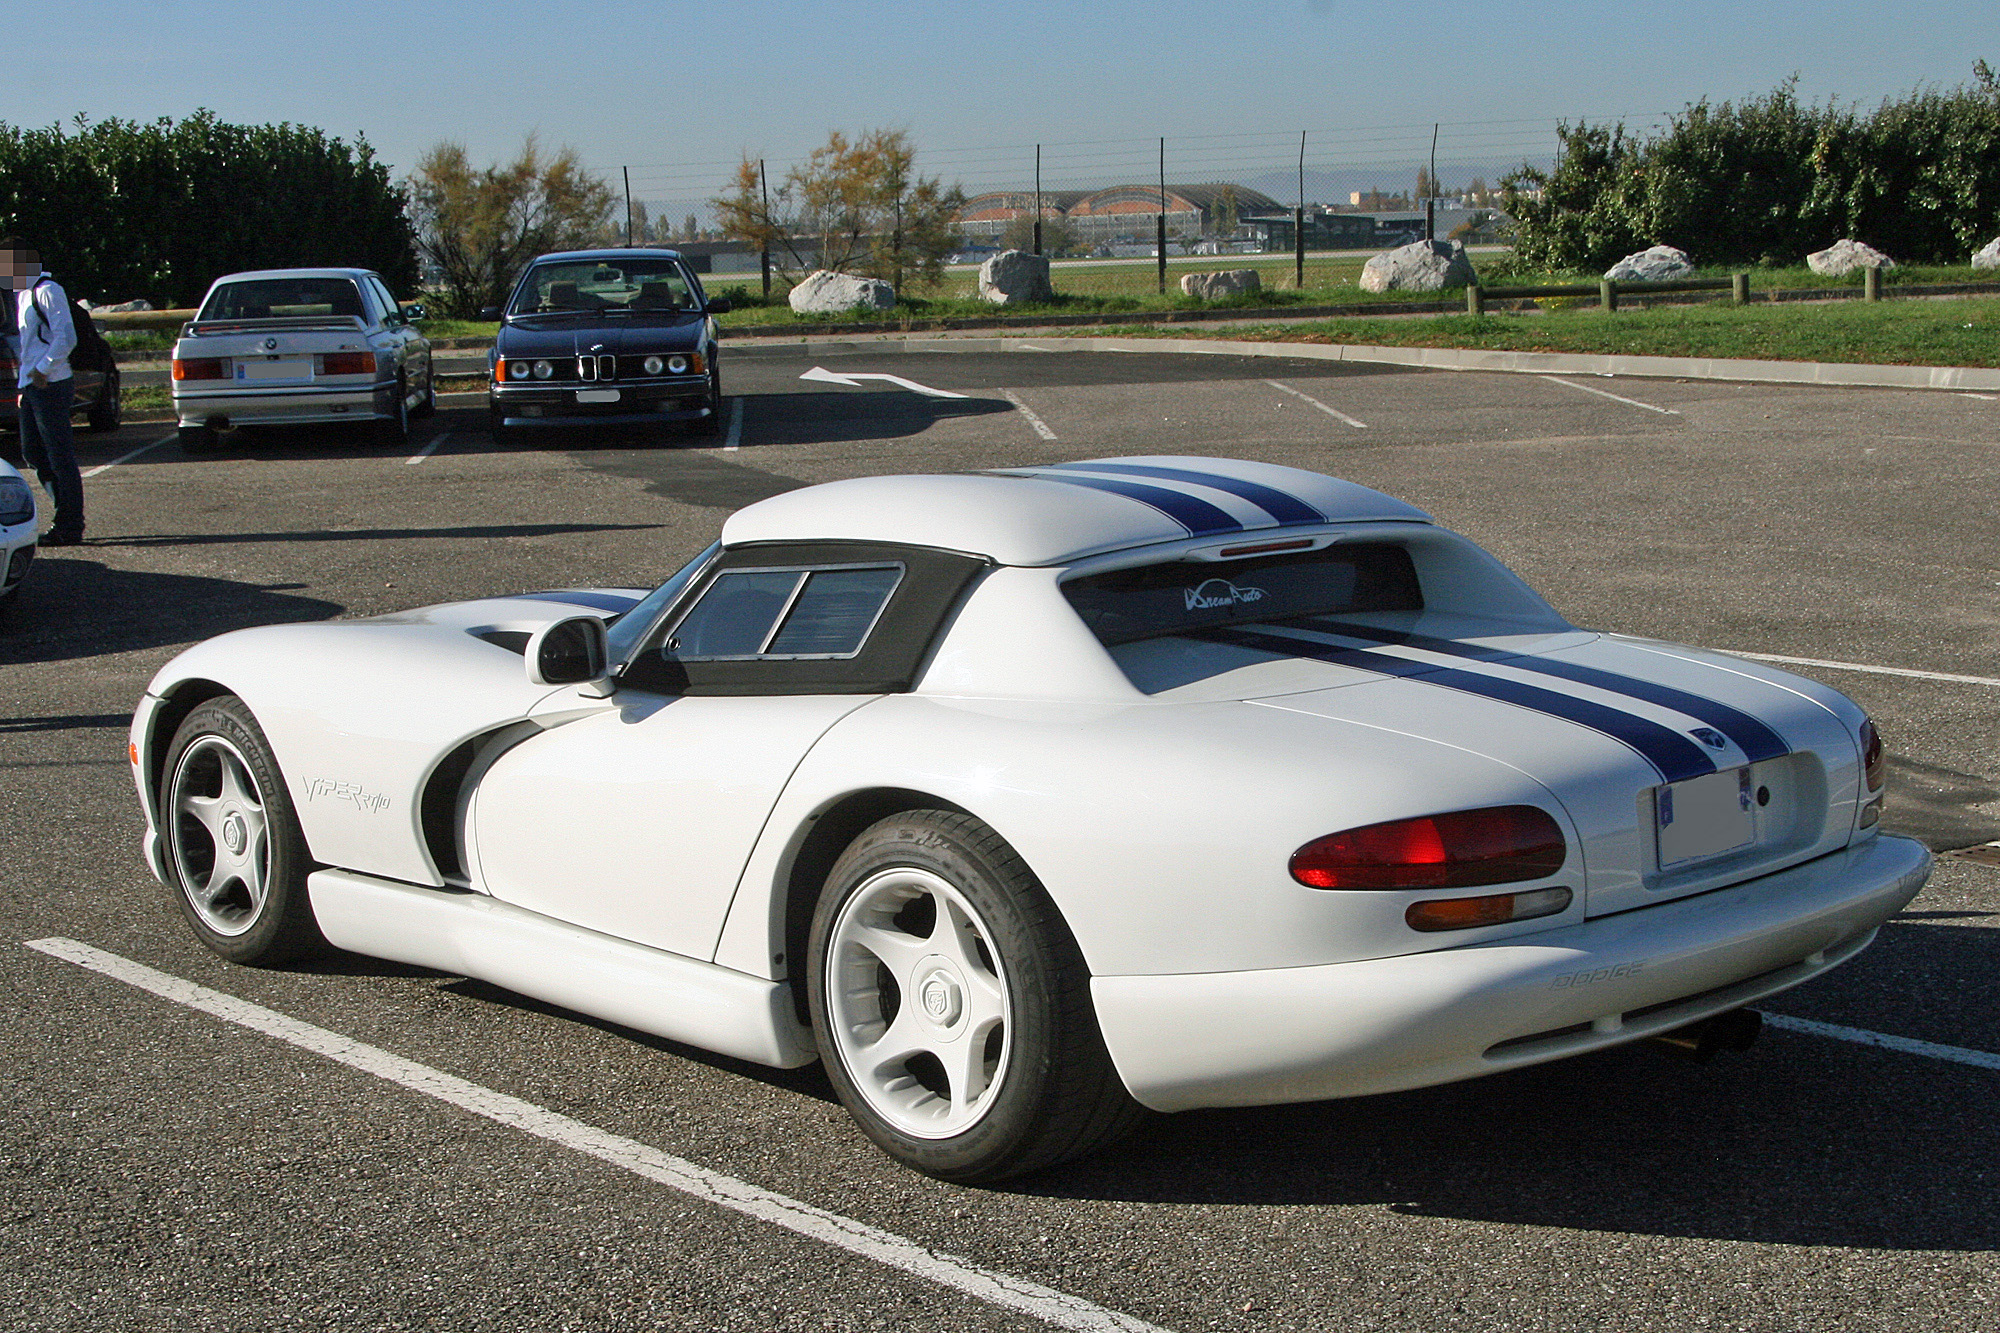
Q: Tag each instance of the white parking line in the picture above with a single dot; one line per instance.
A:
(1871, 670)
(1336, 415)
(429, 449)
(734, 440)
(106, 467)
(1982, 397)
(1629, 402)
(985, 1284)
(1041, 426)
(1959, 1055)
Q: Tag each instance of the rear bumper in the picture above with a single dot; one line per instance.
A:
(274, 407)
(1349, 1029)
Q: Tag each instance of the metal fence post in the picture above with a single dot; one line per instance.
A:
(1607, 295)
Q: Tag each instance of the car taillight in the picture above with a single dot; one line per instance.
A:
(1466, 848)
(344, 363)
(1873, 769)
(198, 368)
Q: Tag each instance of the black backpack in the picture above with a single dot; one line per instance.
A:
(91, 351)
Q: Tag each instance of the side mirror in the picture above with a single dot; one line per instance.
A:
(489, 312)
(718, 305)
(415, 311)
(568, 652)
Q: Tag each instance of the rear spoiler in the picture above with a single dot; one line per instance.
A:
(291, 324)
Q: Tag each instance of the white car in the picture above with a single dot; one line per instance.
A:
(294, 346)
(18, 530)
(1026, 799)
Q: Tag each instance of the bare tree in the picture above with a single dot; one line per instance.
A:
(479, 225)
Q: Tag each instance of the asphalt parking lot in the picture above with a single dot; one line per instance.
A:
(165, 1167)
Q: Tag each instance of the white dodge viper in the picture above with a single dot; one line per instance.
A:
(1029, 799)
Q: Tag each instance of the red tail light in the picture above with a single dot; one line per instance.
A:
(198, 368)
(1872, 766)
(345, 363)
(1500, 845)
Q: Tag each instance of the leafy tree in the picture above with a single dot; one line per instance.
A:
(123, 209)
(480, 225)
(852, 206)
(1058, 235)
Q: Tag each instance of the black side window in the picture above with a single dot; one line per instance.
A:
(818, 618)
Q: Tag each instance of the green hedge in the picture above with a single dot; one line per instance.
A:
(1769, 180)
(123, 210)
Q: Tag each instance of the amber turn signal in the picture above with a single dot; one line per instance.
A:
(1491, 909)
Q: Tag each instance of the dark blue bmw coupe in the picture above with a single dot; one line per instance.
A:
(606, 337)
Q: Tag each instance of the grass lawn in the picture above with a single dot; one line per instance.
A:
(1949, 332)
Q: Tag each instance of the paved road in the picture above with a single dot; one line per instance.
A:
(165, 1168)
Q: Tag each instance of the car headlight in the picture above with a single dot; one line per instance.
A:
(17, 502)
(654, 365)
(519, 370)
(677, 364)
(544, 370)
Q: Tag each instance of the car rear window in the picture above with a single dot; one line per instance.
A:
(785, 613)
(284, 298)
(1187, 596)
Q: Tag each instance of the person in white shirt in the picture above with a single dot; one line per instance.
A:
(45, 335)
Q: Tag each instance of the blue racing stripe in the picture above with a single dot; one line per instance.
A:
(1284, 507)
(1195, 514)
(1757, 741)
(1674, 755)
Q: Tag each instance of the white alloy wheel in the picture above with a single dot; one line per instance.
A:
(222, 838)
(917, 1002)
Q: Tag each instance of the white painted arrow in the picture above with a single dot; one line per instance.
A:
(825, 376)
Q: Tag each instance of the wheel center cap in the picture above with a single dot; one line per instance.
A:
(942, 997)
(234, 836)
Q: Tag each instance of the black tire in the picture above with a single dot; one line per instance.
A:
(712, 423)
(108, 412)
(236, 859)
(394, 431)
(1005, 997)
(197, 440)
(497, 427)
(429, 406)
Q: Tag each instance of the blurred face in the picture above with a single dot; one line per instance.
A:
(20, 267)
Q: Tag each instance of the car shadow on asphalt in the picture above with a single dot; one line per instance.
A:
(470, 532)
(1802, 1140)
(72, 607)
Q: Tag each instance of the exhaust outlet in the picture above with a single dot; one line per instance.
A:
(1734, 1031)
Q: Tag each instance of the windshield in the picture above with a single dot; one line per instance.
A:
(623, 634)
(283, 298)
(605, 286)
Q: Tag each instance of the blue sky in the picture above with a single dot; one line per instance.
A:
(678, 91)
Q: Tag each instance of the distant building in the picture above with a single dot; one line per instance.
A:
(1120, 214)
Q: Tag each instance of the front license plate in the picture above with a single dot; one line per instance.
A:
(1704, 816)
(597, 395)
(279, 368)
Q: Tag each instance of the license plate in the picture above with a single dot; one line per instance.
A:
(1704, 816)
(597, 395)
(283, 368)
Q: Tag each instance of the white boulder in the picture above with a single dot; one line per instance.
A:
(1662, 263)
(1015, 276)
(1420, 266)
(825, 293)
(1844, 256)
(1220, 286)
(1988, 257)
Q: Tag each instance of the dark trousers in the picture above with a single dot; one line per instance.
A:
(46, 445)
